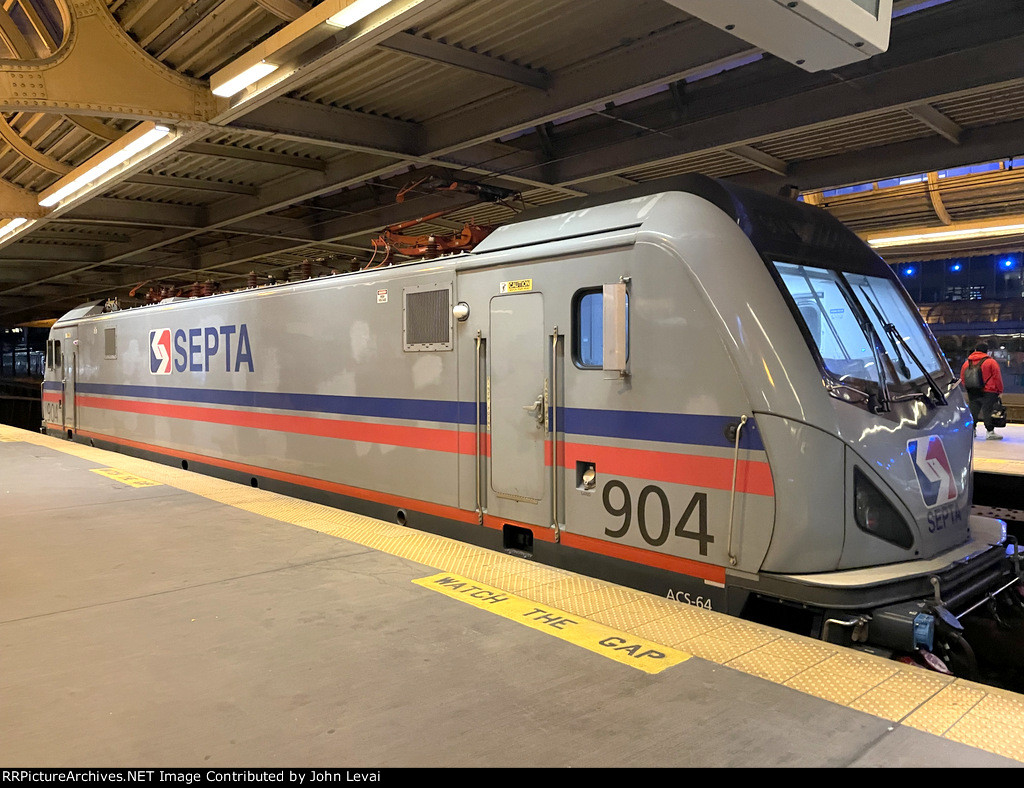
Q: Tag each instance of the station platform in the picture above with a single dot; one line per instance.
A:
(150, 617)
(1003, 456)
(999, 476)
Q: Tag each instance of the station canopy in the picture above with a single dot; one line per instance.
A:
(160, 145)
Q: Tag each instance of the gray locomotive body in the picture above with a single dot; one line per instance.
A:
(699, 391)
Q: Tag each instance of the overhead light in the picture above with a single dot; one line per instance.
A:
(937, 236)
(356, 11)
(11, 226)
(249, 76)
(143, 136)
(14, 227)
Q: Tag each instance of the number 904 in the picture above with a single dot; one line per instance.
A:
(655, 529)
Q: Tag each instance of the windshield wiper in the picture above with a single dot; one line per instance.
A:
(881, 320)
(895, 336)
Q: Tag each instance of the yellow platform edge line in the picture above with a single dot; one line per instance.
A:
(125, 478)
(905, 694)
(614, 644)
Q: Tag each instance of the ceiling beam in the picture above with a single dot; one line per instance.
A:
(18, 202)
(21, 253)
(318, 124)
(192, 184)
(754, 119)
(936, 199)
(39, 25)
(466, 59)
(666, 56)
(238, 152)
(115, 211)
(288, 10)
(11, 136)
(936, 121)
(12, 36)
(307, 121)
(758, 158)
(987, 143)
(101, 71)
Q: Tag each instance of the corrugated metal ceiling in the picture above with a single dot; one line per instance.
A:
(269, 183)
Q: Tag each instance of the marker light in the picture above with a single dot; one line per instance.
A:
(956, 267)
(1007, 265)
(909, 271)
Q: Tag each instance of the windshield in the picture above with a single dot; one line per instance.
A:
(836, 309)
(884, 304)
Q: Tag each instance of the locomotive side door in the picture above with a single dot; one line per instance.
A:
(69, 372)
(519, 399)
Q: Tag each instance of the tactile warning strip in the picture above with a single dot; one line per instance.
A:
(982, 717)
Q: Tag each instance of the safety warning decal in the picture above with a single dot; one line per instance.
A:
(612, 643)
(382, 296)
(516, 286)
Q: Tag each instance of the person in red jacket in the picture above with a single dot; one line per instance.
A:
(982, 368)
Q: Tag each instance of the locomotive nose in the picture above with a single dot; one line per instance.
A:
(918, 476)
(888, 495)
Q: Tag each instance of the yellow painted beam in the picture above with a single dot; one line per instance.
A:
(100, 70)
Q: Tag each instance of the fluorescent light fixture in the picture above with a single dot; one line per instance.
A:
(243, 80)
(963, 234)
(137, 140)
(13, 227)
(356, 11)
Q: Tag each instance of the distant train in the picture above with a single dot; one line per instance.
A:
(686, 387)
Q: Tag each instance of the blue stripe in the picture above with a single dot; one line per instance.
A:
(630, 425)
(52, 385)
(662, 427)
(376, 407)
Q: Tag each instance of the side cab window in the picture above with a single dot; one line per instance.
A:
(600, 327)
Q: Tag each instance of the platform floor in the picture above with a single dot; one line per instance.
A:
(1005, 456)
(154, 617)
(998, 470)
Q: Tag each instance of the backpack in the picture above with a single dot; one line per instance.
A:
(973, 379)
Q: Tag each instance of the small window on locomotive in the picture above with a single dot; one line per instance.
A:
(428, 318)
(110, 343)
(56, 354)
(588, 328)
(49, 354)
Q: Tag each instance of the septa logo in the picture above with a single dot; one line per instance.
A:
(160, 351)
(934, 474)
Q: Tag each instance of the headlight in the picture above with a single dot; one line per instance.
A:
(876, 516)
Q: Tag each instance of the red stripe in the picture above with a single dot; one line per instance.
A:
(386, 434)
(49, 396)
(752, 476)
(638, 555)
